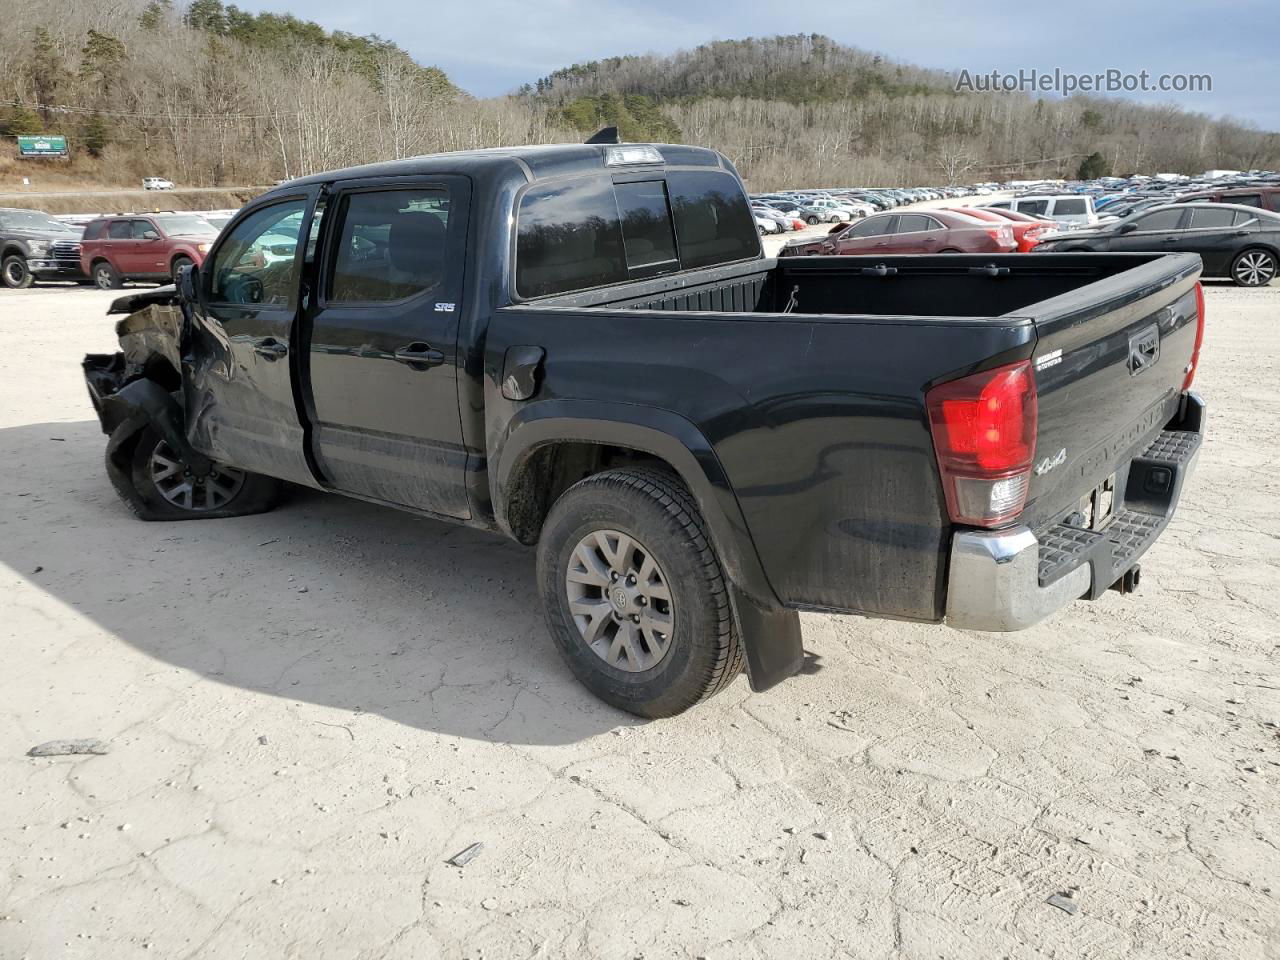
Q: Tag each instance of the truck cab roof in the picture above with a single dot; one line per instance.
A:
(530, 163)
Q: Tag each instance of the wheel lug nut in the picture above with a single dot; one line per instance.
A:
(613, 575)
(635, 618)
(642, 601)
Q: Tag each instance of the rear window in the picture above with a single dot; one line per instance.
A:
(573, 235)
(96, 230)
(120, 230)
(713, 222)
(1071, 207)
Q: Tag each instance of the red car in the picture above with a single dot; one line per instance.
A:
(152, 246)
(1027, 230)
(935, 231)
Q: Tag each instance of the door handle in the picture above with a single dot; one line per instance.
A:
(1170, 240)
(419, 356)
(270, 348)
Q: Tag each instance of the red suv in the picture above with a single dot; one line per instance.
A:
(153, 246)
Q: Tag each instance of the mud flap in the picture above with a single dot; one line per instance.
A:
(770, 638)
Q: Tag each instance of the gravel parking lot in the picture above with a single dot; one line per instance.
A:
(308, 713)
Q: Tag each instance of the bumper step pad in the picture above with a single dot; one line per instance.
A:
(1155, 480)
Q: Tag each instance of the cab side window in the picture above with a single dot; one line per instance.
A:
(144, 230)
(392, 245)
(256, 262)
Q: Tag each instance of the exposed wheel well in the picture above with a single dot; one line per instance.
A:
(97, 260)
(551, 470)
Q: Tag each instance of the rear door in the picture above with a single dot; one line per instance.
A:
(1214, 233)
(915, 233)
(119, 246)
(240, 399)
(382, 353)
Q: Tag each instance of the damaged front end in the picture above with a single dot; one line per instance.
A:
(142, 384)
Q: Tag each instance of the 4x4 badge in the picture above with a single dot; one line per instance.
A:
(1048, 463)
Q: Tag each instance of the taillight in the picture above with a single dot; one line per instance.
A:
(1195, 350)
(984, 435)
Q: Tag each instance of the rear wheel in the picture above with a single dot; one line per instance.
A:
(15, 272)
(157, 484)
(104, 276)
(634, 595)
(1254, 268)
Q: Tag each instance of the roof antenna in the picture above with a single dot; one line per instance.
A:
(605, 135)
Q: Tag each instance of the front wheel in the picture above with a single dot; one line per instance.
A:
(634, 595)
(178, 264)
(157, 484)
(16, 274)
(104, 276)
(1254, 268)
(812, 220)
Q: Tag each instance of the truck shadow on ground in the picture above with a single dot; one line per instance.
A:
(325, 601)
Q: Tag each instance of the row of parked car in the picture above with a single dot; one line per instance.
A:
(796, 209)
(1233, 224)
(105, 251)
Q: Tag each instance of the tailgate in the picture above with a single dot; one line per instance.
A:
(1110, 362)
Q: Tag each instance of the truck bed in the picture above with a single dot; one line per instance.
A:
(808, 378)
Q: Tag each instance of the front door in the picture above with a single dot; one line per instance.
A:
(1154, 232)
(382, 390)
(148, 258)
(871, 236)
(239, 387)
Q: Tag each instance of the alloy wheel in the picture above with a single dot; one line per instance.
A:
(181, 487)
(620, 600)
(1256, 268)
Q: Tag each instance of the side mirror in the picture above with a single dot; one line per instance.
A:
(189, 283)
(1128, 228)
(151, 235)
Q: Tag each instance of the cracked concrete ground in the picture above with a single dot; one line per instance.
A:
(288, 772)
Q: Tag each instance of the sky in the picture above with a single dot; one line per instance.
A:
(490, 47)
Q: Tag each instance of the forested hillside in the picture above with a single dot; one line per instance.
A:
(804, 110)
(209, 94)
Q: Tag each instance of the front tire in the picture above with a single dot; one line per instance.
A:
(104, 276)
(177, 265)
(15, 272)
(1253, 268)
(634, 595)
(156, 484)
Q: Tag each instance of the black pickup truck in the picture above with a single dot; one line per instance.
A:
(583, 347)
(33, 246)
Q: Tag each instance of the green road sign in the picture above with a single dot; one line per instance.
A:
(49, 146)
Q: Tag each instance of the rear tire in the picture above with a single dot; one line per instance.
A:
(634, 595)
(155, 483)
(104, 276)
(15, 272)
(1253, 268)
